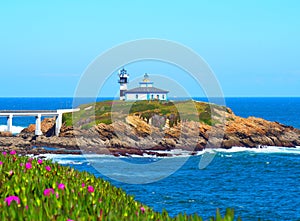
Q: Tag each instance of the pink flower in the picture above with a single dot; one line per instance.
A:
(4, 153)
(21, 164)
(142, 209)
(30, 160)
(40, 161)
(61, 186)
(47, 168)
(28, 166)
(26, 207)
(48, 191)
(13, 152)
(1, 163)
(90, 189)
(11, 173)
(70, 220)
(9, 199)
(83, 185)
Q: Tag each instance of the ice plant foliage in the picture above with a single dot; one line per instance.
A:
(54, 192)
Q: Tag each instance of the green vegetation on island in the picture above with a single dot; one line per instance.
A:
(36, 189)
(176, 111)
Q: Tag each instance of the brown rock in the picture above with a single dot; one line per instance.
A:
(5, 134)
(141, 127)
(47, 127)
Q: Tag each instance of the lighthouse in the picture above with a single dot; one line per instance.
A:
(123, 80)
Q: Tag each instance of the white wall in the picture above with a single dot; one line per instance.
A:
(131, 97)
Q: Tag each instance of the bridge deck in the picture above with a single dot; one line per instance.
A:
(27, 111)
(35, 112)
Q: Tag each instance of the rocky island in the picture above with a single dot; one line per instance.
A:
(145, 127)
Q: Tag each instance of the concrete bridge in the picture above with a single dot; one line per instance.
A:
(38, 114)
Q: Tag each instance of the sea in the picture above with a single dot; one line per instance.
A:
(260, 184)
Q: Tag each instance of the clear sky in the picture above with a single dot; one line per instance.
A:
(253, 47)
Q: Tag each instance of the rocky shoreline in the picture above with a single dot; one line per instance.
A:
(134, 136)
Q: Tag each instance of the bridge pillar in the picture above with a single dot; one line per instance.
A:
(58, 124)
(9, 123)
(38, 126)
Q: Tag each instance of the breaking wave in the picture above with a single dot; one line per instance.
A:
(15, 129)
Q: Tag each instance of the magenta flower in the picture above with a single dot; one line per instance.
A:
(9, 199)
(21, 164)
(83, 184)
(1, 163)
(90, 189)
(47, 168)
(48, 191)
(13, 152)
(28, 166)
(142, 209)
(61, 186)
(26, 207)
(40, 161)
(70, 220)
(4, 153)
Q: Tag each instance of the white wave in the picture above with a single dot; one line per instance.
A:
(15, 129)
(264, 149)
(69, 162)
(173, 153)
(98, 158)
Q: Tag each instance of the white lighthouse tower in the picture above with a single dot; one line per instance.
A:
(123, 80)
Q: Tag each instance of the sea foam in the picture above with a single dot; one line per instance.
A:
(15, 129)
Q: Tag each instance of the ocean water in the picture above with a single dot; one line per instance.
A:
(257, 183)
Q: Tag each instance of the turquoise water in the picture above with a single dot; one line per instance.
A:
(261, 183)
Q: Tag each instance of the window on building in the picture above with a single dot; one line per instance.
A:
(157, 96)
(136, 96)
(152, 96)
(163, 96)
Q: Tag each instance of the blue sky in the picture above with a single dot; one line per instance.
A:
(253, 47)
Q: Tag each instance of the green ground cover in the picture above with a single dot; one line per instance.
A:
(36, 189)
(102, 112)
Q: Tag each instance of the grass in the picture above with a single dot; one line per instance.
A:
(104, 111)
(35, 189)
